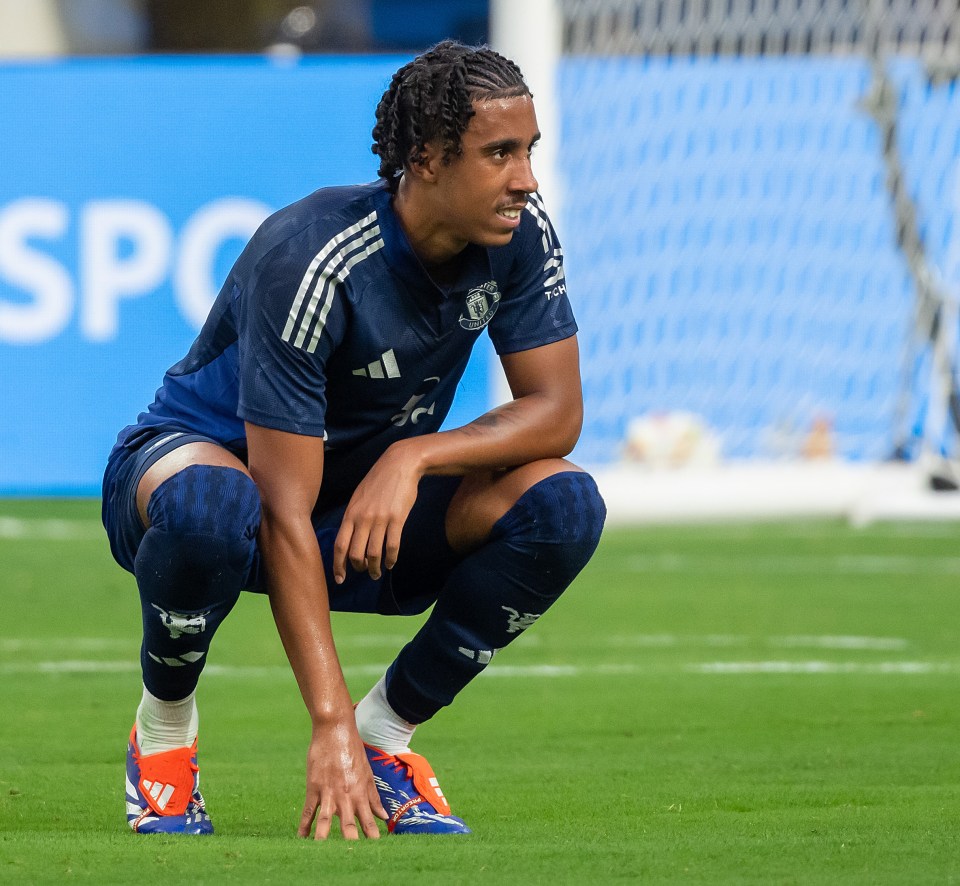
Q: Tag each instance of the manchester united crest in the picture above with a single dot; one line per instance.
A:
(481, 305)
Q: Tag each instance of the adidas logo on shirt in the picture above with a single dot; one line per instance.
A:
(385, 367)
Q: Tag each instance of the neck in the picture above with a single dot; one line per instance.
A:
(425, 229)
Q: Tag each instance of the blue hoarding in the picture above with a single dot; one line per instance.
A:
(127, 188)
(731, 245)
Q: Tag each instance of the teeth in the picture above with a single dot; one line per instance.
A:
(510, 213)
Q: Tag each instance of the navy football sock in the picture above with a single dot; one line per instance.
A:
(190, 568)
(534, 551)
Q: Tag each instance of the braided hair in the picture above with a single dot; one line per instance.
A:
(431, 99)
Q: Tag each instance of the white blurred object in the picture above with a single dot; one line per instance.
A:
(671, 440)
(31, 29)
(861, 493)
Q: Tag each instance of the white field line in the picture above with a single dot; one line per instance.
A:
(722, 668)
(722, 641)
(67, 644)
(817, 529)
(74, 662)
(40, 529)
(844, 564)
(45, 645)
(823, 667)
(883, 644)
(52, 529)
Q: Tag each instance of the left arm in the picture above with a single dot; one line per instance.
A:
(542, 421)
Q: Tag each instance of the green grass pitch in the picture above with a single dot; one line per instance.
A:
(771, 703)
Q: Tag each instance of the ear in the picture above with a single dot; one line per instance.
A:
(426, 166)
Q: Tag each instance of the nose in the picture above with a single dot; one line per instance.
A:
(525, 181)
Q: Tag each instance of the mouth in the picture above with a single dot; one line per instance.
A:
(510, 214)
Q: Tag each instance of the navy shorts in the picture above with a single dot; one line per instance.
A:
(412, 586)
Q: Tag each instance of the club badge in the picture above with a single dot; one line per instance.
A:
(481, 305)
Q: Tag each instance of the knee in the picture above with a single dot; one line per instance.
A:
(590, 508)
(563, 513)
(206, 500)
(203, 519)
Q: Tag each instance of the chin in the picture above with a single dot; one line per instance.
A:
(495, 238)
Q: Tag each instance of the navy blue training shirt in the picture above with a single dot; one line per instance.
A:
(329, 326)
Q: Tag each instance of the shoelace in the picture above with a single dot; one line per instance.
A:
(396, 762)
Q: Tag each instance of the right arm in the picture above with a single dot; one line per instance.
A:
(287, 469)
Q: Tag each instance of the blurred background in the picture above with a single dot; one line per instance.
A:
(759, 202)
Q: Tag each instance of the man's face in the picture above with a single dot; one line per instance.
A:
(481, 193)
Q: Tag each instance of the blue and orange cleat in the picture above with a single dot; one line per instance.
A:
(163, 791)
(411, 795)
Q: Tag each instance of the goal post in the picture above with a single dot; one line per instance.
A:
(761, 216)
(530, 33)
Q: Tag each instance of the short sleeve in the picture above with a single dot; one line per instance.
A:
(535, 309)
(291, 317)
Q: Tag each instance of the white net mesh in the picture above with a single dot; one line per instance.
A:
(760, 27)
(760, 225)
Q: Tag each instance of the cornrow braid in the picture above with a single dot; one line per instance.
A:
(431, 99)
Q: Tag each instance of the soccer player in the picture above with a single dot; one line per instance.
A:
(296, 451)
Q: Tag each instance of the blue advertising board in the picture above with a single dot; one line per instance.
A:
(731, 251)
(127, 189)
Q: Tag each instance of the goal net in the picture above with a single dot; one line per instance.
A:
(762, 225)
